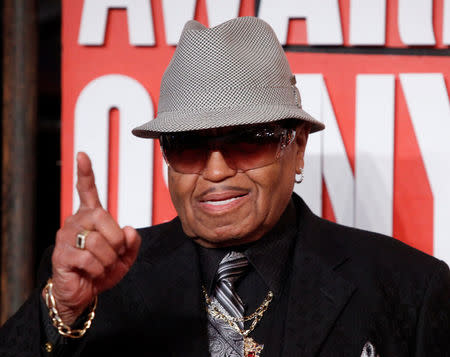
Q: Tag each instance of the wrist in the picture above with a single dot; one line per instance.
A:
(67, 315)
(63, 319)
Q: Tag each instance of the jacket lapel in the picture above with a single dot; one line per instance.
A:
(317, 292)
(172, 293)
(167, 282)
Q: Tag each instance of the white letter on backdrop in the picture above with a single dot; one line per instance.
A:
(310, 87)
(446, 23)
(374, 162)
(323, 22)
(335, 165)
(367, 22)
(95, 17)
(428, 104)
(415, 22)
(176, 14)
(337, 171)
(91, 134)
(221, 10)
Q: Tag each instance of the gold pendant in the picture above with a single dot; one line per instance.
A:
(252, 348)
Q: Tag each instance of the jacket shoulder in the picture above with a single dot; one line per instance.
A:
(160, 239)
(383, 268)
(379, 249)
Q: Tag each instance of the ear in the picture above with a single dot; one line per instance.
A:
(301, 140)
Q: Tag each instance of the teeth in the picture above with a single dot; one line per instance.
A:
(223, 202)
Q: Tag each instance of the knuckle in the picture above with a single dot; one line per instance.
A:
(118, 239)
(62, 238)
(98, 270)
(110, 262)
(98, 246)
(69, 221)
(90, 265)
(74, 221)
(56, 257)
(93, 240)
(60, 258)
(85, 261)
(136, 238)
(59, 236)
(110, 257)
(119, 247)
(100, 214)
(115, 239)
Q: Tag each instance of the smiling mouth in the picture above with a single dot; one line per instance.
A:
(222, 202)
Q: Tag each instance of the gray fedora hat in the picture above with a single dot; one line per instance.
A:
(232, 74)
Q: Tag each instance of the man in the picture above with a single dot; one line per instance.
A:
(245, 269)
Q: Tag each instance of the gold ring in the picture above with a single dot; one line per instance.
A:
(81, 239)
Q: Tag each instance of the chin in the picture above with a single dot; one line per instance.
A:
(219, 243)
(225, 237)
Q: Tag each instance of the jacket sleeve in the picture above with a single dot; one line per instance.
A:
(29, 331)
(21, 334)
(433, 328)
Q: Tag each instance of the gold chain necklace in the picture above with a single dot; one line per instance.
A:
(251, 347)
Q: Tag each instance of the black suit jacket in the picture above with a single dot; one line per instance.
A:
(348, 287)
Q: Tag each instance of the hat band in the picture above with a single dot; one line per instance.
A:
(206, 100)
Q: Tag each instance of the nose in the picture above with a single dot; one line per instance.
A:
(216, 168)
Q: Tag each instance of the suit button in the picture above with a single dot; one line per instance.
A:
(48, 347)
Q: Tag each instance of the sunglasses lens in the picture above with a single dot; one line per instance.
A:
(243, 150)
(184, 154)
(251, 150)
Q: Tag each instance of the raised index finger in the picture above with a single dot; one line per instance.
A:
(87, 191)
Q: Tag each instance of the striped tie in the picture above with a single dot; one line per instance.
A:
(230, 269)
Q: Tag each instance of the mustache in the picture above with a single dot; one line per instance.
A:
(223, 188)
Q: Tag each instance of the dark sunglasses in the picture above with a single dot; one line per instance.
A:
(242, 149)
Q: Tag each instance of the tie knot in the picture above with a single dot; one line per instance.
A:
(231, 267)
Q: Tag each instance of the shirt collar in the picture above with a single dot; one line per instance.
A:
(268, 255)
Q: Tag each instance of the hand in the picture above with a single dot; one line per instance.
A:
(81, 274)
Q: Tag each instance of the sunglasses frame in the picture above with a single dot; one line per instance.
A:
(286, 131)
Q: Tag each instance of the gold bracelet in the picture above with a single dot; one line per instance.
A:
(64, 329)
